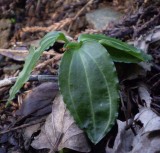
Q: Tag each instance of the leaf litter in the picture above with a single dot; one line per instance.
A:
(39, 98)
(146, 126)
(60, 131)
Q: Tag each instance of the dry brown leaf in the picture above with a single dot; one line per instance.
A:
(146, 144)
(38, 99)
(150, 120)
(144, 41)
(123, 141)
(28, 132)
(144, 94)
(147, 138)
(18, 55)
(60, 131)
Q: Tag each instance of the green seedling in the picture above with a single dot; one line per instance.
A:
(87, 78)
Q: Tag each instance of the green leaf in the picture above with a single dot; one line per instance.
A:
(32, 59)
(119, 51)
(88, 83)
(97, 37)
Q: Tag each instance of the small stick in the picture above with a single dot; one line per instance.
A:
(78, 14)
(19, 55)
(23, 126)
(55, 26)
(54, 59)
(40, 78)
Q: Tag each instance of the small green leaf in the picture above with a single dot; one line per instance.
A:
(119, 51)
(88, 83)
(32, 59)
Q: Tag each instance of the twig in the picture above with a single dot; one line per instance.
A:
(55, 26)
(18, 55)
(23, 126)
(54, 59)
(153, 77)
(40, 78)
(152, 22)
(78, 14)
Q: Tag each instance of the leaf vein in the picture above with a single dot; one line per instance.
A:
(90, 95)
(72, 101)
(110, 99)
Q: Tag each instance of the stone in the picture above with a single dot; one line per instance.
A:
(100, 18)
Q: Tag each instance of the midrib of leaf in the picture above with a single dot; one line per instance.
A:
(107, 89)
(69, 75)
(90, 95)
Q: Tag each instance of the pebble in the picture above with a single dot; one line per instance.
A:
(100, 18)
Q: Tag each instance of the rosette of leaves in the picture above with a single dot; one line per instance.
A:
(87, 78)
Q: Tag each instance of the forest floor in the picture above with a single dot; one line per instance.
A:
(137, 127)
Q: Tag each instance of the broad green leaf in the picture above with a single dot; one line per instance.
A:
(88, 83)
(32, 59)
(119, 51)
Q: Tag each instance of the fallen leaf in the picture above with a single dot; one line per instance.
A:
(150, 120)
(144, 94)
(146, 144)
(18, 55)
(27, 135)
(60, 131)
(144, 41)
(29, 131)
(123, 141)
(39, 98)
(147, 138)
